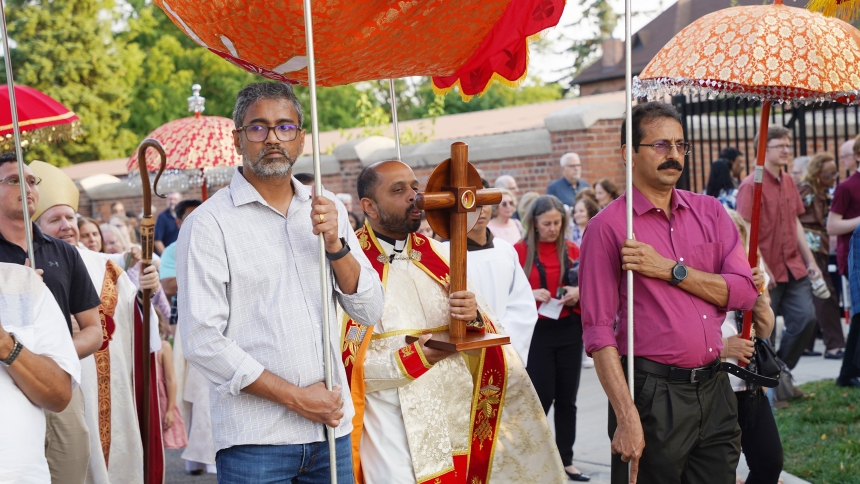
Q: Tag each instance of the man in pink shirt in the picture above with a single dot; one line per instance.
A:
(690, 269)
(783, 245)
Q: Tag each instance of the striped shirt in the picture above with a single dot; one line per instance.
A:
(250, 299)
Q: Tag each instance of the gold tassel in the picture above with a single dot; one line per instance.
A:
(847, 10)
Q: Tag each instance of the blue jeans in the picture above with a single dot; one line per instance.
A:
(288, 464)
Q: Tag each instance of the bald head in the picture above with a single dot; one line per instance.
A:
(369, 178)
(387, 195)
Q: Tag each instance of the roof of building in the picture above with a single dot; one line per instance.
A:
(653, 36)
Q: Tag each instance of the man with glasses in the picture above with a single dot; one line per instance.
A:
(247, 266)
(690, 269)
(789, 261)
(566, 187)
(67, 442)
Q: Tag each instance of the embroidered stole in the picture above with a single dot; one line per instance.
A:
(107, 308)
(490, 379)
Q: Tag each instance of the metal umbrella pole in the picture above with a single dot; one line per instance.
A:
(628, 148)
(394, 118)
(318, 189)
(16, 132)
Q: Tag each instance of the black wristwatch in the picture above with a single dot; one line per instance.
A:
(16, 350)
(679, 273)
(339, 254)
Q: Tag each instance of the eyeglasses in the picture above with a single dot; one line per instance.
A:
(257, 134)
(14, 181)
(664, 147)
(830, 176)
(780, 147)
(506, 204)
(573, 166)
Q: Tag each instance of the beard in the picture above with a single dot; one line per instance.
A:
(398, 223)
(268, 170)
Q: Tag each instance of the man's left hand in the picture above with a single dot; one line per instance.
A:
(149, 279)
(813, 271)
(324, 221)
(642, 258)
(463, 306)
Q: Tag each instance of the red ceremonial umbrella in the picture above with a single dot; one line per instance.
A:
(41, 118)
(199, 150)
(772, 53)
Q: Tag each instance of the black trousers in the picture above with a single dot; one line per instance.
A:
(760, 438)
(851, 361)
(691, 431)
(555, 365)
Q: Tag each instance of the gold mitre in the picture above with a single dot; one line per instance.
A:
(56, 188)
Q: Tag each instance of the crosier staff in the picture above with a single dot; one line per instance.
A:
(147, 240)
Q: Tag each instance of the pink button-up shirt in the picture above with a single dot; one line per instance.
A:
(672, 326)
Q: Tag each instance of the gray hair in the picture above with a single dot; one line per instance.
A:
(566, 156)
(505, 181)
(799, 163)
(264, 90)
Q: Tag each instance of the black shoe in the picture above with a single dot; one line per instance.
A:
(811, 353)
(577, 477)
(836, 355)
(851, 382)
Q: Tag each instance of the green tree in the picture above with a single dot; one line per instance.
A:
(66, 50)
(599, 19)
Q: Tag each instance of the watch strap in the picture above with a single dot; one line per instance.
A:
(16, 350)
(339, 254)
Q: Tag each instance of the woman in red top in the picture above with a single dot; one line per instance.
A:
(555, 355)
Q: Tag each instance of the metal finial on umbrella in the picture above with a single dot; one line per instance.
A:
(394, 118)
(196, 103)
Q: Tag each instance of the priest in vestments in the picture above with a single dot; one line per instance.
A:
(422, 414)
(107, 377)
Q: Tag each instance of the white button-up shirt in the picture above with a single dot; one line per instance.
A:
(250, 299)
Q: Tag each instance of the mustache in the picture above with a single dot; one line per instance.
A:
(269, 149)
(671, 164)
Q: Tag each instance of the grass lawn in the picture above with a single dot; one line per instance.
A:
(820, 434)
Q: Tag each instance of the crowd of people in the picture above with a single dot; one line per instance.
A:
(237, 317)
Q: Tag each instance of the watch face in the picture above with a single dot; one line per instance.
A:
(679, 272)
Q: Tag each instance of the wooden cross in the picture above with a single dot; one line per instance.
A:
(451, 194)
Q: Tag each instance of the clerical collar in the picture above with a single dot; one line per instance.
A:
(399, 245)
(472, 246)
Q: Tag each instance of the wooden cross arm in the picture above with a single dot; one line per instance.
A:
(448, 200)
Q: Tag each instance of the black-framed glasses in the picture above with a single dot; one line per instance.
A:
(664, 147)
(14, 181)
(256, 133)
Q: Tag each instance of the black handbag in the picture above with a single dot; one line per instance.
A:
(764, 367)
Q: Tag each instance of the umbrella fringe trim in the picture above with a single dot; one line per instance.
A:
(496, 77)
(47, 134)
(661, 87)
(847, 10)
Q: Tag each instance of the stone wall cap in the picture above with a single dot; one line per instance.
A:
(583, 116)
(515, 144)
(359, 149)
(329, 164)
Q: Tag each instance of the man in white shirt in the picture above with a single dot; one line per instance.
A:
(249, 290)
(40, 371)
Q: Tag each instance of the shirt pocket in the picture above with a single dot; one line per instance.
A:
(708, 257)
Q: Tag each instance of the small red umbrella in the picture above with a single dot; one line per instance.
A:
(199, 149)
(41, 118)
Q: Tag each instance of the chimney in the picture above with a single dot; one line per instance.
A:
(613, 52)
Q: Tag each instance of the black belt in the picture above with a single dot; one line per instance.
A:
(701, 374)
(674, 373)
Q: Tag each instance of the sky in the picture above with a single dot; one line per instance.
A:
(547, 64)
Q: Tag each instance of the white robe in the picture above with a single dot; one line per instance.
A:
(497, 275)
(192, 398)
(417, 424)
(126, 451)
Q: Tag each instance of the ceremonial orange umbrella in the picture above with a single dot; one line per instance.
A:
(772, 53)
(199, 150)
(468, 43)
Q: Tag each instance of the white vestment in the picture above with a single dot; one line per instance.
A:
(498, 277)
(125, 459)
(192, 398)
(414, 426)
